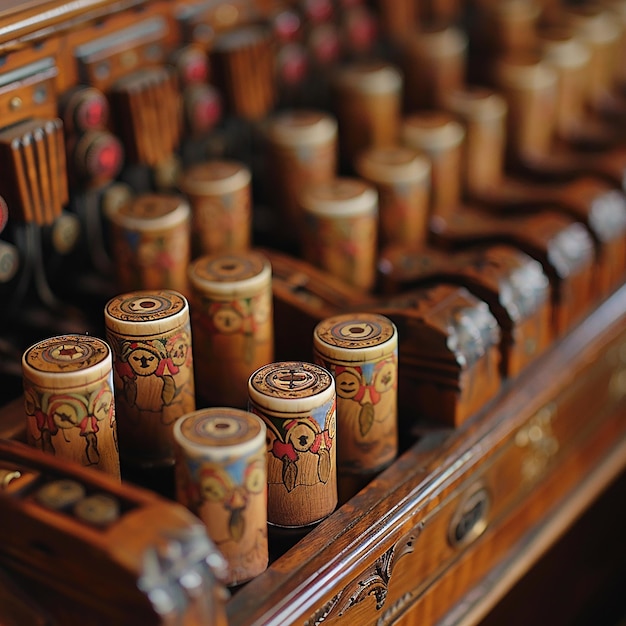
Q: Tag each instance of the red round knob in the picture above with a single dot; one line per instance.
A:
(325, 44)
(86, 109)
(287, 26)
(99, 156)
(361, 30)
(193, 66)
(4, 214)
(203, 106)
(293, 64)
(319, 10)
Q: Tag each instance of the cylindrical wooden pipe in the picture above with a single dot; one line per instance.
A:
(341, 218)
(601, 32)
(529, 86)
(302, 149)
(220, 196)
(397, 18)
(150, 242)
(368, 100)
(618, 10)
(232, 323)
(298, 405)
(551, 12)
(360, 351)
(221, 476)
(434, 60)
(69, 400)
(440, 136)
(401, 177)
(510, 26)
(570, 58)
(483, 113)
(150, 335)
(440, 11)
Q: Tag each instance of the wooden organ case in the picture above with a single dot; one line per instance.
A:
(509, 297)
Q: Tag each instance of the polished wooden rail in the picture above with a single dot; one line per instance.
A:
(528, 465)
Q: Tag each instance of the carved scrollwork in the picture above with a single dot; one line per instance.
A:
(374, 581)
(322, 613)
(392, 612)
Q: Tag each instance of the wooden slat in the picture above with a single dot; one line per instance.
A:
(44, 177)
(34, 174)
(148, 106)
(27, 153)
(26, 205)
(58, 179)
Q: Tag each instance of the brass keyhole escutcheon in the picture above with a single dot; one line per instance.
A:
(470, 519)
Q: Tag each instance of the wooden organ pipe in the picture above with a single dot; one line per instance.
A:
(433, 61)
